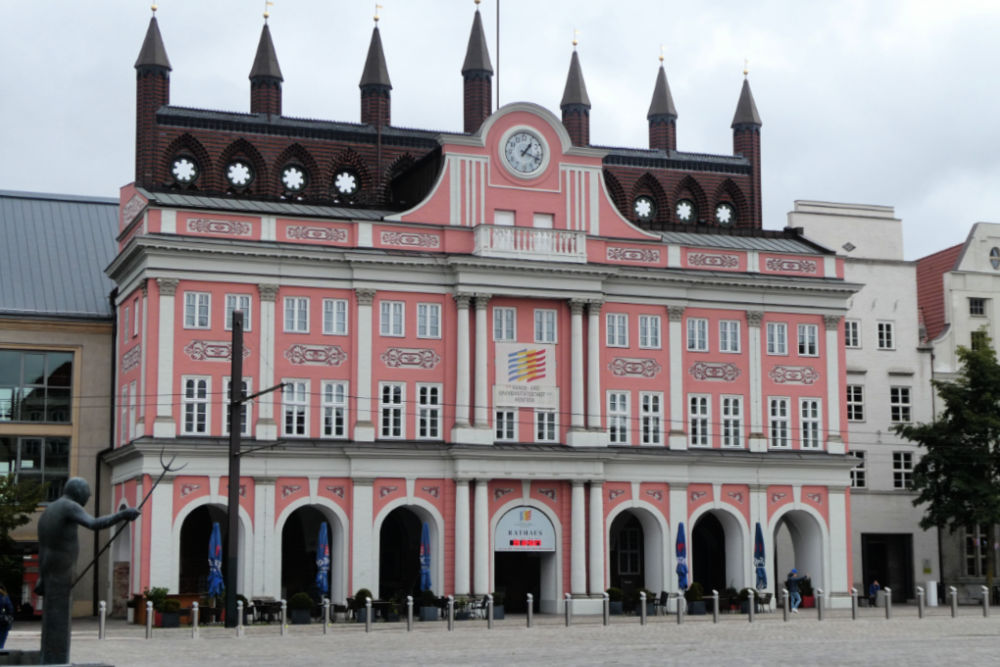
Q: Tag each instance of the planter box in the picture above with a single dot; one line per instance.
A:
(300, 616)
(616, 608)
(808, 602)
(362, 615)
(429, 613)
(498, 612)
(168, 619)
(696, 607)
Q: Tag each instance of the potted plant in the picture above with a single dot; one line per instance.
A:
(396, 604)
(428, 604)
(360, 611)
(462, 611)
(744, 600)
(170, 614)
(498, 599)
(729, 600)
(695, 596)
(157, 595)
(806, 589)
(615, 601)
(300, 608)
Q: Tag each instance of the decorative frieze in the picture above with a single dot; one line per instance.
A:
(655, 494)
(131, 358)
(336, 490)
(713, 260)
(643, 255)
(316, 355)
(384, 491)
(432, 491)
(132, 209)
(624, 366)
(500, 493)
(212, 350)
(714, 370)
(794, 374)
(222, 227)
(410, 239)
(307, 233)
(548, 493)
(790, 265)
(407, 357)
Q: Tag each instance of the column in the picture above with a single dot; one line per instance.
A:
(462, 401)
(594, 365)
(758, 439)
(481, 547)
(462, 537)
(576, 364)
(837, 580)
(140, 427)
(361, 542)
(578, 553)
(164, 570)
(675, 333)
(165, 426)
(266, 578)
(267, 427)
(364, 429)
(678, 515)
(482, 373)
(834, 441)
(597, 549)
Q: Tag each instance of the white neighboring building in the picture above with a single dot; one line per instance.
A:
(888, 381)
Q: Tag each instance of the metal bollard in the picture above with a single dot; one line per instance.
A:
(451, 612)
(920, 601)
(194, 620)
(489, 611)
(986, 601)
(642, 608)
(715, 606)
(606, 608)
(531, 608)
(149, 620)
(751, 603)
(239, 618)
(888, 602)
(568, 600)
(325, 610)
(102, 619)
(785, 602)
(368, 615)
(854, 604)
(819, 604)
(681, 603)
(409, 613)
(284, 617)
(953, 592)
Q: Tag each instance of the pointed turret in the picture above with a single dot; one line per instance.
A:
(152, 69)
(662, 115)
(375, 85)
(575, 103)
(477, 73)
(746, 142)
(265, 77)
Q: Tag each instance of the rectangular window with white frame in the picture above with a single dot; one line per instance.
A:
(977, 306)
(227, 410)
(809, 423)
(135, 317)
(886, 337)
(699, 421)
(899, 405)
(335, 317)
(977, 544)
(390, 321)
(296, 314)
(197, 307)
(194, 402)
(777, 338)
(859, 476)
(697, 334)
(731, 412)
(729, 336)
(545, 326)
(855, 403)
(618, 417)
(295, 408)
(852, 333)
(902, 470)
(334, 400)
(651, 417)
(506, 424)
(391, 410)
(428, 412)
(428, 320)
(808, 340)
(236, 302)
(649, 332)
(778, 423)
(617, 329)
(546, 428)
(504, 324)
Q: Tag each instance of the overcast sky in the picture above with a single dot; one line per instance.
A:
(890, 102)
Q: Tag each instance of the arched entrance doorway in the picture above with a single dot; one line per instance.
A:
(195, 534)
(525, 560)
(799, 544)
(636, 552)
(718, 557)
(399, 554)
(299, 543)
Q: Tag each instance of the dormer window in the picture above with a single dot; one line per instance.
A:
(644, 208)
(725, 214)
(184, 169)
(240, 174)
(294, 178)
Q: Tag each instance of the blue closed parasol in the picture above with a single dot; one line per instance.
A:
(682, 568)
(759, 558)
(215, 582)
(323, 560)
(425, 558)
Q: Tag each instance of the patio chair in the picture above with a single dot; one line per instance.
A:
(764, 602)
(660, 604)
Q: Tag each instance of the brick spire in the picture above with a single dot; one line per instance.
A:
(152, 69)
(746, 142)
(662, 115)
(477, 73)
(575, 103)
(375, 85)
(265, 77)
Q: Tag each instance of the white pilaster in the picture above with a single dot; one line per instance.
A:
(140, 427)
(164, 569)
(135, 567)
(576, 364)
(578, 553)
(361, 542)
(678, 515)
(165, 426)
(263, 535)
(462, 537)
(594, 365)
(835, 560)
(364, 429)
(675, 333)
(462, 401)
(596, 537)
(834, 441)
(267, 427)
(482, 374)
(481, 546)
(758, 440)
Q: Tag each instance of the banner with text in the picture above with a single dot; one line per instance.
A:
(525, 376)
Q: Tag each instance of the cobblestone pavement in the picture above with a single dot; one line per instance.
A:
(872, 640)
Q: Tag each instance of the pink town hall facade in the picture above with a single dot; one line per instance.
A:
(492, 346)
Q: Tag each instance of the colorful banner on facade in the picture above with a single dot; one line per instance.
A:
(525, 376)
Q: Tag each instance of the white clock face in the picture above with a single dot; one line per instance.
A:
(524, 152)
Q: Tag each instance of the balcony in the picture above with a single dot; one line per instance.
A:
(552, 245)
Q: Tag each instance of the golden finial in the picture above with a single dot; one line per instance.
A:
(746, 67)
(576, 34)
(661, 54)
(267, 14)
(377, 7)
(153, 7)
(477, 2)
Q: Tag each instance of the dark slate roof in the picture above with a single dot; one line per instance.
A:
(375, 73)
(152, 53)
(663, 102)
(54, 252)
(477, 56)
(746, 110)
(657, 158)
(187, 200)
(766, 240)
(265, 65)
(576, 89)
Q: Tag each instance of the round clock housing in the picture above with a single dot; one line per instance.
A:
(524, 152)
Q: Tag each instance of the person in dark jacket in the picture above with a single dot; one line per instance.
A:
(792, 584)
(873, 592)
(6, 615)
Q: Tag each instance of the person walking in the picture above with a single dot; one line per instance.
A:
(6, 615)
(792, 584)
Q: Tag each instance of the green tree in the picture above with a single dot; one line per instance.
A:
(18, 501)
(958, 477)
